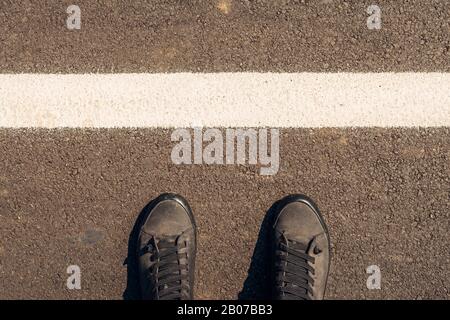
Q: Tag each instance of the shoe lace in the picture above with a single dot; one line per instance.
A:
(169, 267)
(293, 269)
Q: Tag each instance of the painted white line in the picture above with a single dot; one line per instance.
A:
(225, 100)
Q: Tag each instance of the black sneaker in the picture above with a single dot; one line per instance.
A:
(300, 250)
(166, 250)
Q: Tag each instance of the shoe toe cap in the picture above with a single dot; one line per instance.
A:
(168, 218)
(299, 221)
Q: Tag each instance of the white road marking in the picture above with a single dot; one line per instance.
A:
(225, 100)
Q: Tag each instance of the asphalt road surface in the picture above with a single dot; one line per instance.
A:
(72, 196)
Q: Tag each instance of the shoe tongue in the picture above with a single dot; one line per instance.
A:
(167, 239)
(300, 241)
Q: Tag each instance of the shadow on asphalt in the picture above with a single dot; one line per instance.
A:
(257, 284)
